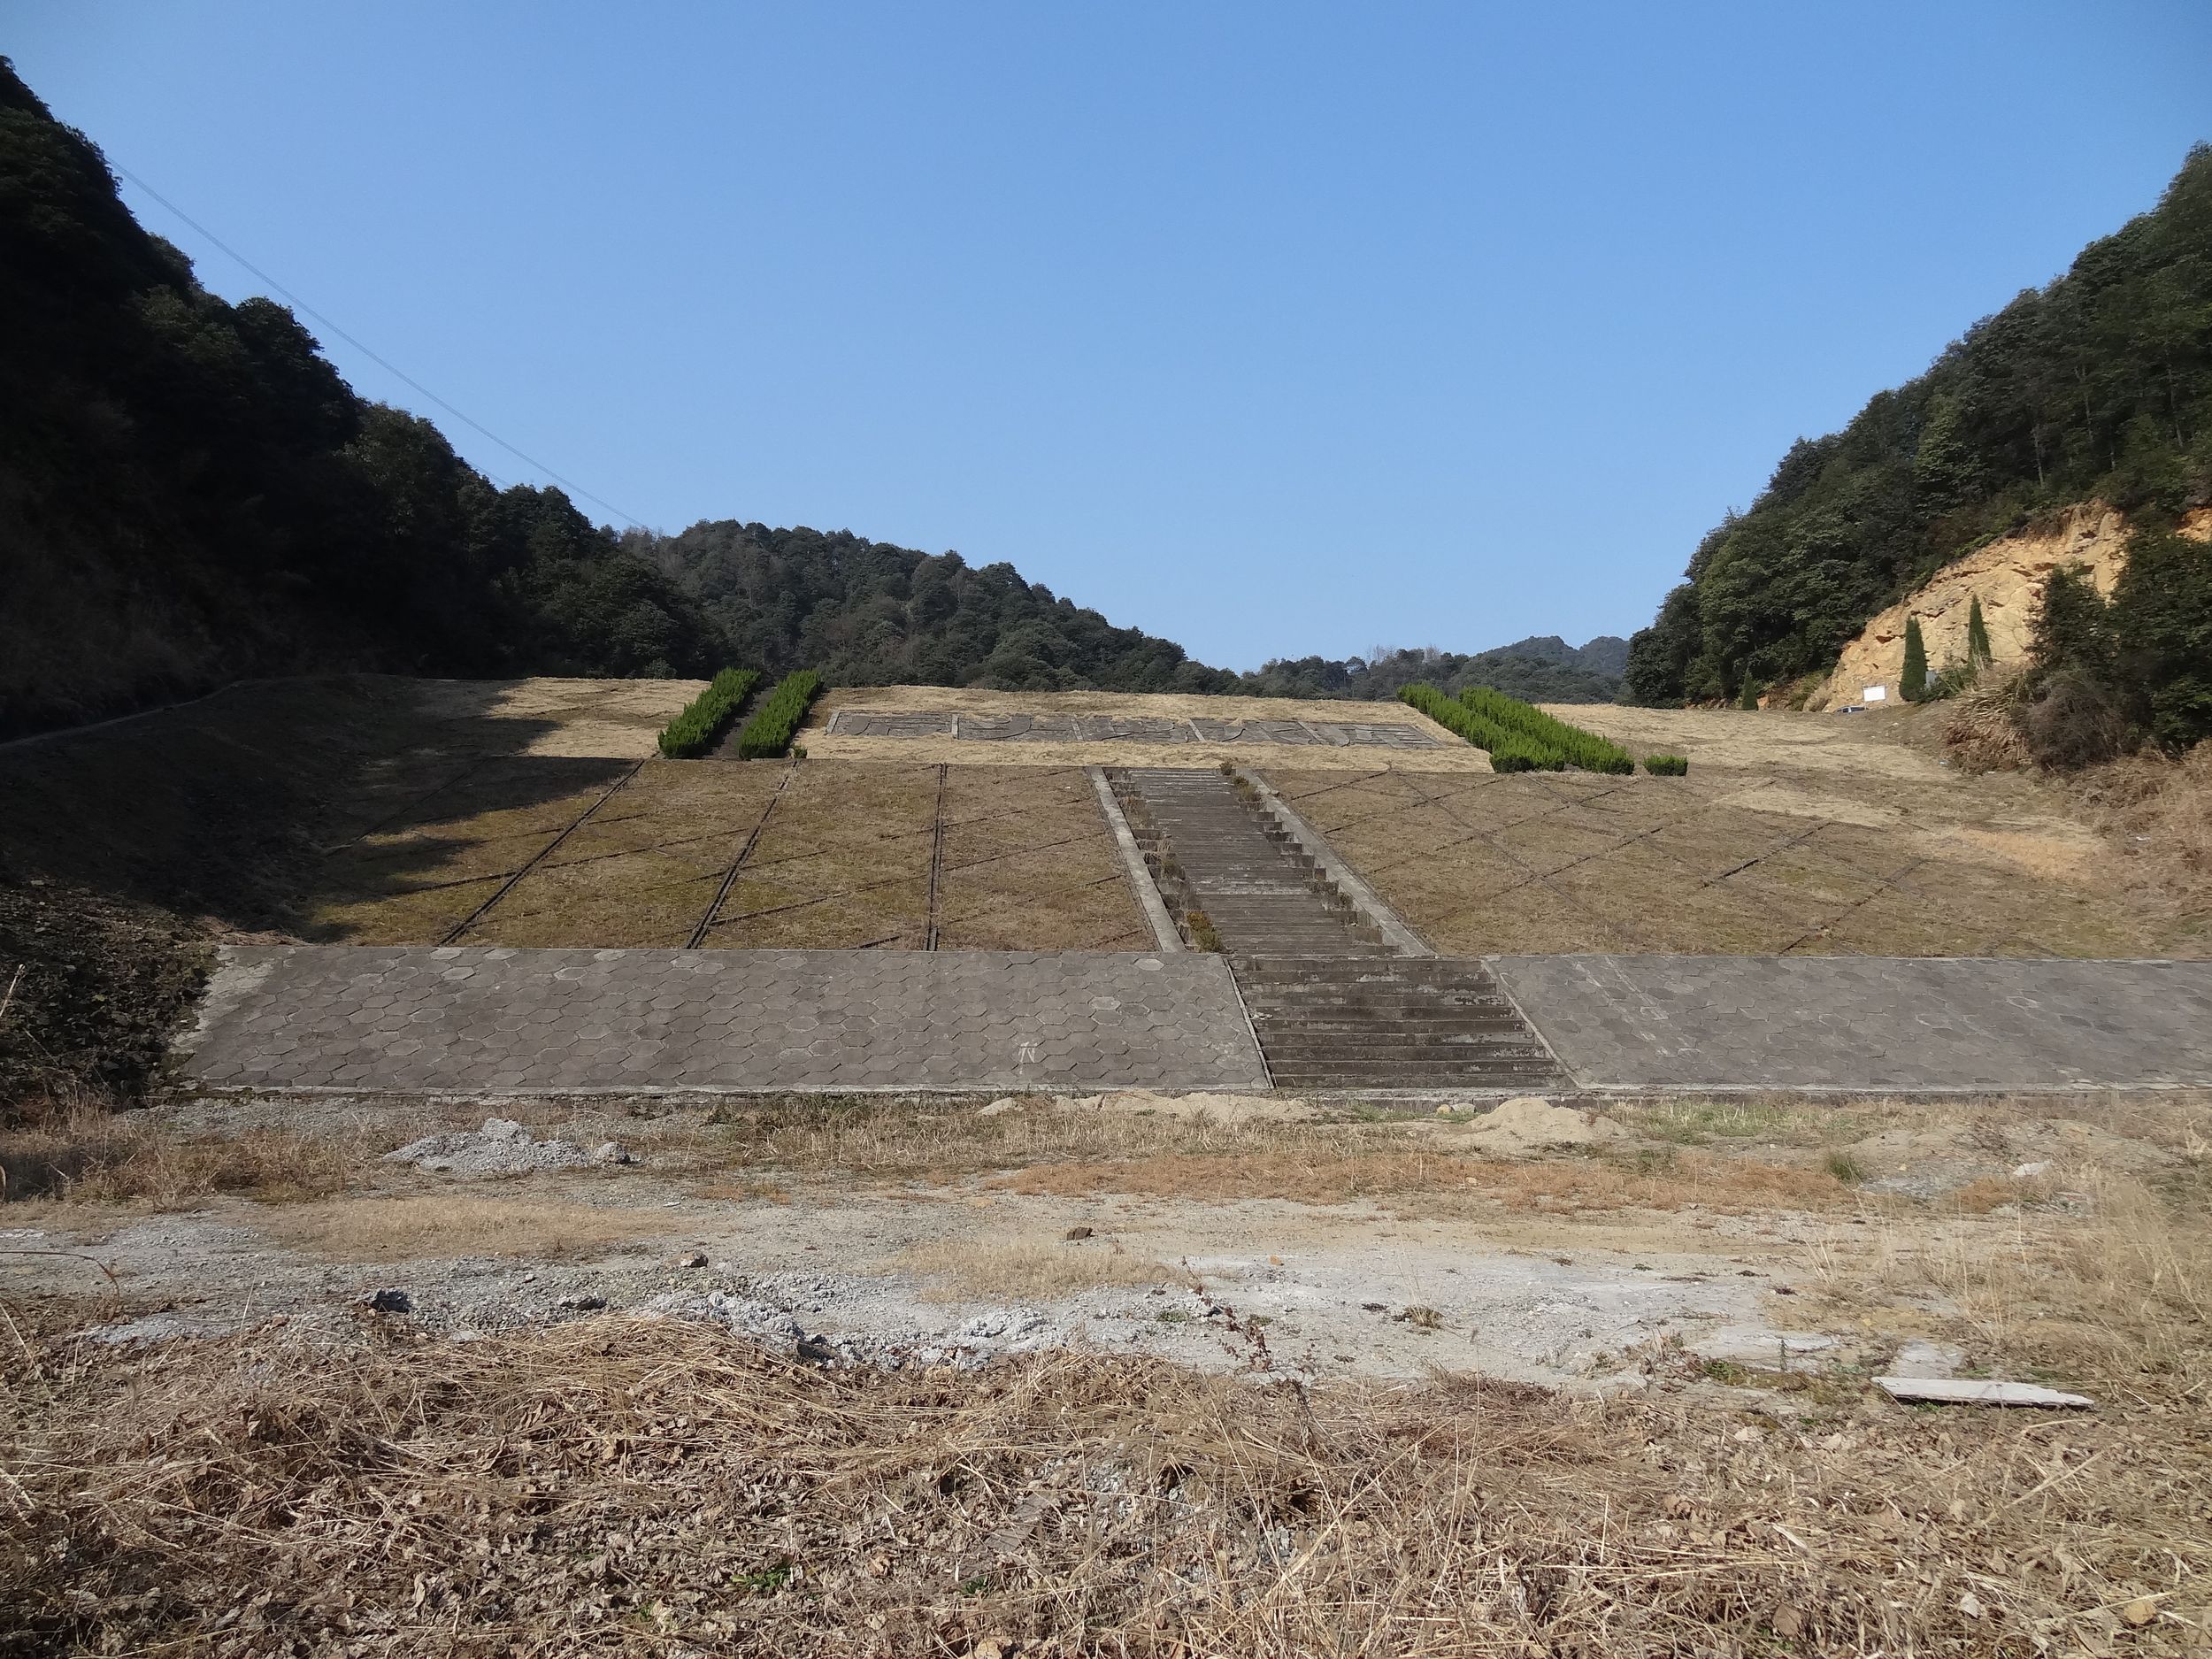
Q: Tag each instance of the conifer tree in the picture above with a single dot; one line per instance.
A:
(1978, 651)
(1912, 685)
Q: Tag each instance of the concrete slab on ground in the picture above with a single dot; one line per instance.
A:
(1869, 1024)
(490, 1020)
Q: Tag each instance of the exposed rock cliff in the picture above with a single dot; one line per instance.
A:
(2008, 574)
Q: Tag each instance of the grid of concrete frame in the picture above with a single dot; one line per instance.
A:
(1097, 728)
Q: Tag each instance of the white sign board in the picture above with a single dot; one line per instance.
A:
(1875, 694)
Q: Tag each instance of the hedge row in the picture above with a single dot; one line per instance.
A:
(1510, 750)
(769, 732)
(1573, 745)
(700, 723)
(1666, 766)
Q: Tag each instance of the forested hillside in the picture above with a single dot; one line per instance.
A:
(867, 613)
(190, 493)
(2096, 386)
(1543, 668)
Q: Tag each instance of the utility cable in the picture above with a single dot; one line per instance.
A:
(299, 304)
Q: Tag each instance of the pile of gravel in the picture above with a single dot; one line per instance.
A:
(502, 1146)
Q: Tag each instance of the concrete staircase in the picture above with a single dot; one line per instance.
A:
(1415, 1023)
(1263, 895)
(1333, 1005)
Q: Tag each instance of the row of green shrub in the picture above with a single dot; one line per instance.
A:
(1510, 750)
(1572, 744)
(769, 732)
(700, 723)
(1666, 766)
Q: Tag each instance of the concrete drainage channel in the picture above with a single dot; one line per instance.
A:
(1340, 992)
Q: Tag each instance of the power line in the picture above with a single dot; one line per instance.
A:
(299, 304)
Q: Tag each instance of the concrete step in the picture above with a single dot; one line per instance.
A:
(1333, 1005)
(1436, 1022)
(1259, 893)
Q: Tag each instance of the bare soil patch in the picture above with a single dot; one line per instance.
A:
(1031, 1267)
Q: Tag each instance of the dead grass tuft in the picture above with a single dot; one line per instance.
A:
(628, 1487)
(1033, 1268)
(1979, 731)
(2159, 813)
(372, 1229)
(73, 1148)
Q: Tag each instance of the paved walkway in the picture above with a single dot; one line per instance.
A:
(476, 1019)
(1869, 1023)
(352, 1016)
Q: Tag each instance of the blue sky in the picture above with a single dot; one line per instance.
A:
(1275, 329)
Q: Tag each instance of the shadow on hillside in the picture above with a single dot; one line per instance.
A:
(226, 811)
(125, 848)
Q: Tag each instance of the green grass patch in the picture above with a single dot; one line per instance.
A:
(1845, 1168)
(1666, 766)
(768, 734)
(1696, 1123)
(700, 724)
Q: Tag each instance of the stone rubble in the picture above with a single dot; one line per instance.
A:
(502, 1146)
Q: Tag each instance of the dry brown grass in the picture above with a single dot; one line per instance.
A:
(1979, 734)
(2159, 814)
(1032, 1267)
(2121, 1296)
(1770, 859)
(379, 1229)
(868, 1135)
(75, 1148)
(1029, 864)
(617, 1486)
(1055, 1150)
(1398, 1175)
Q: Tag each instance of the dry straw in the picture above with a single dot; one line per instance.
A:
(629, 1486)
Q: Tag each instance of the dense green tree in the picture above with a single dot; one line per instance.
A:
(1543, 668)
(1979, 653)
(2072, 627)
(2098, 385)
(2142, 661)
(869, 613)
(190, 492)
(1912, 681)
(2160, 626)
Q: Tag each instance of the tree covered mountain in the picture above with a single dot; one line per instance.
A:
(869, 613)
(2096, 386)
(190, 494)
(1542, 668)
